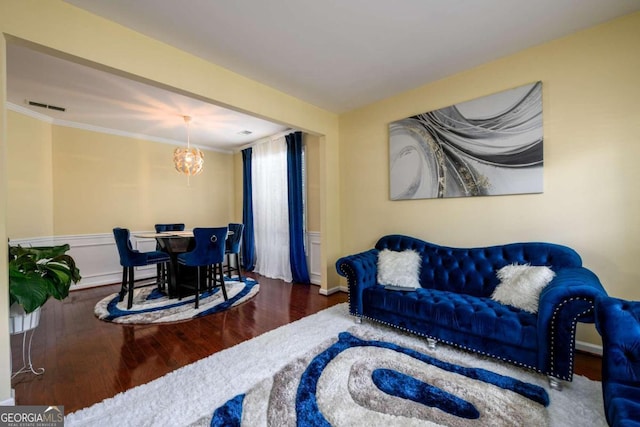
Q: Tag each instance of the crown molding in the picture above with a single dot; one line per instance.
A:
(82, 126)
(266, 139)
(27, 112)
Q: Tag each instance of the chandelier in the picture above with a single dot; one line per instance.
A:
(188, 161)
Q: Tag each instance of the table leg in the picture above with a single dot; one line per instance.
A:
(172, 285)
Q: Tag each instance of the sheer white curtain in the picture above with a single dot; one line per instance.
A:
(270, 209)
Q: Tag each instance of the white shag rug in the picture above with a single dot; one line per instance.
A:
(189, 395)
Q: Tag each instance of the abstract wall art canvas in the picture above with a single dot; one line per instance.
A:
(485, 147)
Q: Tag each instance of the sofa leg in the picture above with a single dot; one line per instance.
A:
(555, 383)
(431, 343)
(358, 320)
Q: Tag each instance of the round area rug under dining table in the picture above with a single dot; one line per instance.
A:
(150, 305)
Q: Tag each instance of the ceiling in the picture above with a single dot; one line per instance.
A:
(102, 101)
(336, 54)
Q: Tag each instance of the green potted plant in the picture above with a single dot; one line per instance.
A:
(35, 275)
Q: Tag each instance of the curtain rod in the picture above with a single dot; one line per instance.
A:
(268, 138)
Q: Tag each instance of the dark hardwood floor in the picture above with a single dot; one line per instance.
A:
(87, 360)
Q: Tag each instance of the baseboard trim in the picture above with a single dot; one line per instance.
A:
(589, 348)
(10, 401)
(327, 292)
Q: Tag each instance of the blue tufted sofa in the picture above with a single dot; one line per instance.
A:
(618, 322)
(454, 302)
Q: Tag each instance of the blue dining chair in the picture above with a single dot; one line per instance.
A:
(232, 247)
(162, 269)
(130, 258)
(207, 256)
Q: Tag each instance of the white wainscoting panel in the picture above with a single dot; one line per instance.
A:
(313, 257)
(96, 256)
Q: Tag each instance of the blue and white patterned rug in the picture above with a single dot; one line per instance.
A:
(365, 379)
(152, 306)
(356, 381)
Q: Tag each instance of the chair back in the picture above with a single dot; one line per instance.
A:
(209, 249)
(169, 227)
(129, 257)
(233, 241)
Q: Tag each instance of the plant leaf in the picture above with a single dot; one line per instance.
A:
(36, 273)
(29, 290)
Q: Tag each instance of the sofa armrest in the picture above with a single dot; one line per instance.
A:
(618, 322)
(569, 298)
(361, 271)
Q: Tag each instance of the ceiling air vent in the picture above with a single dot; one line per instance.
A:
(43, 105)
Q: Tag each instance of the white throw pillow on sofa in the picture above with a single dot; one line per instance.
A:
(399, 269)
(520, 285)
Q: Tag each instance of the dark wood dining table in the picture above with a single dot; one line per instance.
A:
(175, 243)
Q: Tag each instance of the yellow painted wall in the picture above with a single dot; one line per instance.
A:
(64, 180)
(30, 177)
(76, 33)
(591, 199)
(312, 158)
(57, 25)
(5, 352)
(102, 181)
(238, 186)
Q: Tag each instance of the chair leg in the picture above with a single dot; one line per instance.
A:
(224, 288)
(131, 280)
(238, 265)
(210, 277)
(198, 287)
(123, 287)
(231, 269)
(178, 287)
(159, 275)
(165, 277)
